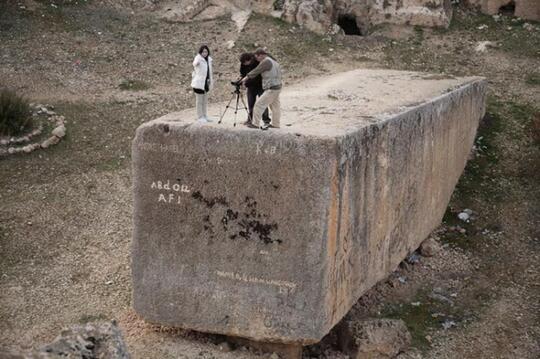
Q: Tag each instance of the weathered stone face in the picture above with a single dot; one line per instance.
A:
(526, 9)
(274, 235)
(317, 15)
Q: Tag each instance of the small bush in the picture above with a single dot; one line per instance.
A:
(133, 85)
(15, 114)
(533, 79)
(535, 128)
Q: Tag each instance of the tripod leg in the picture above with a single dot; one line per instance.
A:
(236, 108)
(245, 107)
(226, 107)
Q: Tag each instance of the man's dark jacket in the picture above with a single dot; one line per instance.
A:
(254, 83)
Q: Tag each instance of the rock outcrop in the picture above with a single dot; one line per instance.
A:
(318, 16)
(354, 16)
(526, 9)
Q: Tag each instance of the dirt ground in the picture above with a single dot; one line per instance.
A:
(65, 212)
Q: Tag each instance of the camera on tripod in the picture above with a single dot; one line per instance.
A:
(237, 85)
(239, 99)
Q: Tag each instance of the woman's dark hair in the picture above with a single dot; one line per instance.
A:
(246, 56)
(204, 47)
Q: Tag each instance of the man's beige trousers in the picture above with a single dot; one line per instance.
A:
(270, 98)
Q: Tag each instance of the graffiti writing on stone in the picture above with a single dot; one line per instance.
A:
(274, 148)
(284, 286)
(159, 147)
(169, 191)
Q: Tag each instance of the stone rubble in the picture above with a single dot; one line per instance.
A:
(91, 341)
(374, 338)
(430, 247)
(482, 46)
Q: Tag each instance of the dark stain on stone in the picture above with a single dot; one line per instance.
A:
(249, 224)
(210, 202)
(250, 202)
(231, 215)
(252, 213)
(261, 230)
(224, 222)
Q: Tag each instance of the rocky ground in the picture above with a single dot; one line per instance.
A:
(65, 212)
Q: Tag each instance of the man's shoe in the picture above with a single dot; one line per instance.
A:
(265, 126)
(202, 120)
(250, 125)
(207, 119)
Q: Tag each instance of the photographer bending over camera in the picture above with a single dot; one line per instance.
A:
(254, 86)
(202, 81)
(270, 72)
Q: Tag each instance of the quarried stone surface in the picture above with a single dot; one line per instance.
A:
(274, 235)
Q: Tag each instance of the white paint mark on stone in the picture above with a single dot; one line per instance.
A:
(169, 186)
(166, 185)
(248, 279)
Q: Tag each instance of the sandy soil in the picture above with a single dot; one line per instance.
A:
(65, 213)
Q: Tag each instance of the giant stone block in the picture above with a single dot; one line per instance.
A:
(274, 235)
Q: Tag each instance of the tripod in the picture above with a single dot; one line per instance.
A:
(239, 98)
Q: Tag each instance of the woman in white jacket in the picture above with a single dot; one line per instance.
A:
(202, 81)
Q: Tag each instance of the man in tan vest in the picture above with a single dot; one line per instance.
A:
(270, 72)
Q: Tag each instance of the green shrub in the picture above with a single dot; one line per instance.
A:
(133, 85)
(15, 114)
(533, 79)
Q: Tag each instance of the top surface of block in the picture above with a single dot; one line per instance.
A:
(337, 104)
